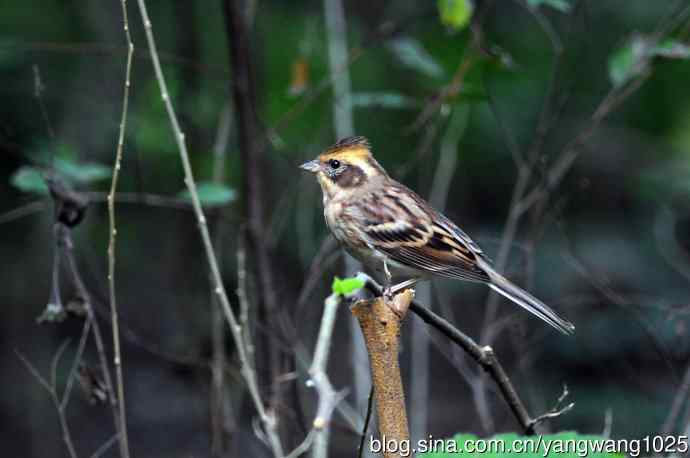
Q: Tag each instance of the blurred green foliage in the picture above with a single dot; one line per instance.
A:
(211, 194)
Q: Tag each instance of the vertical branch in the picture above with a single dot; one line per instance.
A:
(66, 240)
(246, 368)
(336, 26)
(343, 123)
(117, 358)
(251, 148)
(381, 329)
(327, 395)
(219, 402)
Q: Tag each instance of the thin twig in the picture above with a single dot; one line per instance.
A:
(105, 446)
(367, 419)
(52, 391)
(219, 402)
(251, 151)
(247, 369)
(320, 262)
(243, 298)
(523, 198)
(153, 200)
(556, 411)
(670, 424)
(117, 356)
(328, 397)
(38, 94)
(84, 294)
(303, 447)
(24, 210)
(77, 358)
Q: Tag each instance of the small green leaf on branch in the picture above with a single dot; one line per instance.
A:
(455, 14)
(347, 286)
(211, 194)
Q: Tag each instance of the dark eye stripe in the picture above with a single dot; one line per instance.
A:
(349, 176)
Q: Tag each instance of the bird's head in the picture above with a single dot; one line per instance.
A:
(345, 167)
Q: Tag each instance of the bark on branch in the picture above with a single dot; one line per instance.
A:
(381, 329)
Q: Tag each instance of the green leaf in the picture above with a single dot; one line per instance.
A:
(29, 179)
(672, 49)
(81, 172)
(455, 14)
(628, 61)
(412, 54)
(347, 286)
(561, 5)
(211, 194)
(566, 444)
(383, 100)
(635, 56)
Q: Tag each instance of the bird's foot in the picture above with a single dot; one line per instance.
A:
(388, 293)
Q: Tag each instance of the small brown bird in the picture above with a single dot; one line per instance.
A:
(393, 231)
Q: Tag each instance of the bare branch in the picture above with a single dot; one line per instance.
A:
(367, 419)
(75, 364)
(328, 397)
(105, 446)
(221, 415)
(64, 427)
(247, 368)
(66, 236)
(556, 411)
(112, 236)
(34, 372)
(670, 424)
(55, 362)
(304, 446)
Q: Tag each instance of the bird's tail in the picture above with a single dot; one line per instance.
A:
(525, 300)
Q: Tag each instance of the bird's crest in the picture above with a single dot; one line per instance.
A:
(352, 147)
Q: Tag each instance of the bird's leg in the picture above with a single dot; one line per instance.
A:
(387, 291)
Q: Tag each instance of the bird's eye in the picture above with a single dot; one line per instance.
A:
(334, 163)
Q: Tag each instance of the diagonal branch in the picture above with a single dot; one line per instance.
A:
(484, 356)
(247, 368)
(52, 391)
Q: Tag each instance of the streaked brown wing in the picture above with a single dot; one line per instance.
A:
(417, 236)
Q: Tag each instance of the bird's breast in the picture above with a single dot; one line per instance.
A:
(341, 224)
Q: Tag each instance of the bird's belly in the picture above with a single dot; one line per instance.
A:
(374, 260)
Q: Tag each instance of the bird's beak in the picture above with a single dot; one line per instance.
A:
(311, 166)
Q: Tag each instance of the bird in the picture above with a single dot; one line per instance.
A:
(397, 234)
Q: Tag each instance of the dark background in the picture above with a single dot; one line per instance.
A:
(607, 247)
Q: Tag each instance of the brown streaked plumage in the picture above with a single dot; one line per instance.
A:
(392, 230)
